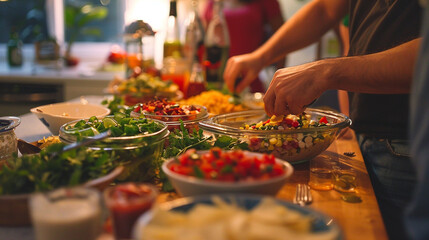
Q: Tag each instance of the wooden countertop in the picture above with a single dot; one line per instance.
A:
(357, 220)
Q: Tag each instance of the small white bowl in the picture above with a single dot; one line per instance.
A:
(192, 186)
(53, 116)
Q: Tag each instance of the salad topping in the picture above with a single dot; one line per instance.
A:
(166, 107)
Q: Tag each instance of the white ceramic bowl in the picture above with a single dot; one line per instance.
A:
(320, 224)
(53, 116)
(192, 186)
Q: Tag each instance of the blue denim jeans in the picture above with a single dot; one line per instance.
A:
(393, 178)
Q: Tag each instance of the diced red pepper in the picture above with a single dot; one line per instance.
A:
(323, 120)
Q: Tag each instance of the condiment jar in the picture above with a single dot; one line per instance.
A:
(8, 140)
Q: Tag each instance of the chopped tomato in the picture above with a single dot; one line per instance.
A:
(227, 165)
(323, 120)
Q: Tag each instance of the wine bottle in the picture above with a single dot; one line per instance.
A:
(216, 47)
(14, 50)
(172, 44)
(193, 47)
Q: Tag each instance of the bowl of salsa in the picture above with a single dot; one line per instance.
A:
(218, 171)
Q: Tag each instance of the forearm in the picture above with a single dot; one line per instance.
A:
(387, 72)
(304, 28)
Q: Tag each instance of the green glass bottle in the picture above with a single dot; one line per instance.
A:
(14, 50)
(172, 44)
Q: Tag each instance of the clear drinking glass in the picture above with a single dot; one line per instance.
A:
(66, 214)
(126, 202)
(321, 168)
(344, 178)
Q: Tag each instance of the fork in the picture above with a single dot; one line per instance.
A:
(302, 195)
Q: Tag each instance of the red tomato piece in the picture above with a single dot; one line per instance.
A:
(323, 120)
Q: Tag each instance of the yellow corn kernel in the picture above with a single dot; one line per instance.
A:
(273, 141)
(275, 118)
(271, 147)
(279, 143)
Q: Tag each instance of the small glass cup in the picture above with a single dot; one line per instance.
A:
(66, 214)
(176, 70)
(126, 202)
(321, 168)
(344, 178)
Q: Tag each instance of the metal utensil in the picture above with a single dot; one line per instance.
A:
(302, 195)
(84, 142)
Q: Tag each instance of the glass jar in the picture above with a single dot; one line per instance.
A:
(8, 140)
(176, 70)
(139, 41)
(139, 154)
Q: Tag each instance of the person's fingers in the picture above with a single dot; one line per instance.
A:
(230, 74)
(295, 108)
(246, 81)
(269, 101)
(281, 106)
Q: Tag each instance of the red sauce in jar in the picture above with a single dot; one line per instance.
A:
(126, 203)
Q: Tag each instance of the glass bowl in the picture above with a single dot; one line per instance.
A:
(190, 121)
(139, 154)
(292, 145)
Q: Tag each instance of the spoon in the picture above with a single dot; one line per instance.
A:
(84, 142)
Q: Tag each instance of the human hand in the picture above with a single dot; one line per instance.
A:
(246, 66)
(292, 89)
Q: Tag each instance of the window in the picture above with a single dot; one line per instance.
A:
(111, 27)
(28, 17)
(120, 13)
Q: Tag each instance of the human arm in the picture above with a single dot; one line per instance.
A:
(387, 72)
(302, 29)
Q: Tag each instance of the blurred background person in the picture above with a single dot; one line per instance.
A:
(250, 23)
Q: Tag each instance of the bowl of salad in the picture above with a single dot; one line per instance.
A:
(136, 142)
(218, 171)
(43, 172)
(294, 138)
(144, 87)
(172, 113)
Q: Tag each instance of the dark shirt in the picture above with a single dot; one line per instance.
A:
(418, 213)
(375, 26)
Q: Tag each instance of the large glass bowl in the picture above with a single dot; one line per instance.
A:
(292, 145)
(139, 154)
